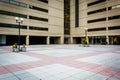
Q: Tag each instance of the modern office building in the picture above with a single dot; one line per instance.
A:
(60, 21)
(100, 17)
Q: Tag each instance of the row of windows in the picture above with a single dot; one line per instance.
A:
(104, 19)
(38, 28)
(96, 20)
(97, 11)
(37, 8)
(45, 1)
(113, 27)
(104, 9)
(5, 25)
(114, 17)
(102, 29)
(25, 5)
(114, 7)
(12, 26)
(96, 2)
(15, 3)
(22, 15)
(96, 29)
(12, 14)
(38, 18)
(46, 29)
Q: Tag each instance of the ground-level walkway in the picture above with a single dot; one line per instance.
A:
(61, 62)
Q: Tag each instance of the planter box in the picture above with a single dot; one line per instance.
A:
(86, 45)
(23, 49)
(15, 49)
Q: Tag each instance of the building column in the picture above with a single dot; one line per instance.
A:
(87, 39)
(27, 40)
(61, 40)
(48, 40)
(107, 39)
(71, 40)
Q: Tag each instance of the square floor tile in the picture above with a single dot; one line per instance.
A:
(108, 59)
(14, 58)
(61, 52)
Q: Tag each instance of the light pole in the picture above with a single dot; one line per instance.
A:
(19, 21)
(86, 29)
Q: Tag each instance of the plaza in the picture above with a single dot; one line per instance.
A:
(61, 62)
(45, 39)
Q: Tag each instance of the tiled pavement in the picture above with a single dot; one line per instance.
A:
(61, 62)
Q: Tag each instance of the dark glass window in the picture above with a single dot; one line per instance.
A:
(15, 3)
(114, 7)
(23, 5)
(38, 28)
(96, 2)
(39, 9)
(113, 27)
(5, 1)
(38, 18)
(66, 17)
(5, 25)
(45, 1)
(76, 13)
(109, 8)
(97, 11)
(114, 17)
(12, 14)
(96, 29)
(96, 20)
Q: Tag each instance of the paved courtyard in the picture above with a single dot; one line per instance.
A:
(61, 62)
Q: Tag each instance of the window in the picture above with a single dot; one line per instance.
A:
(45, 1)
(96, 2)
(38, 18)
(96, 11)
(37, 8)
(114, 7)
(114, 17)
(5, 25)
(113, 27)
(96, 20)
(5, 1)
(23, 5)
(66, 17)
(96, 29)
(76, 13)
(12, 14)
(38, 28)
(15, 3)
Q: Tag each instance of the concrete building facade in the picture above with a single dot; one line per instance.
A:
(44, 21)
(100, 17)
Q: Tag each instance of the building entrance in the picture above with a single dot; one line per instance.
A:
(37, 40)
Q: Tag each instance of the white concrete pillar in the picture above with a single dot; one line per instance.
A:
(48, 40)
(71, 40)
(107, 39)
(61, 40)
(27, 40)
(87, 39)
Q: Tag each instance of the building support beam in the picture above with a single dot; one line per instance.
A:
(61, 40)
(48, 40)
(27, 40)
(107, 39)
